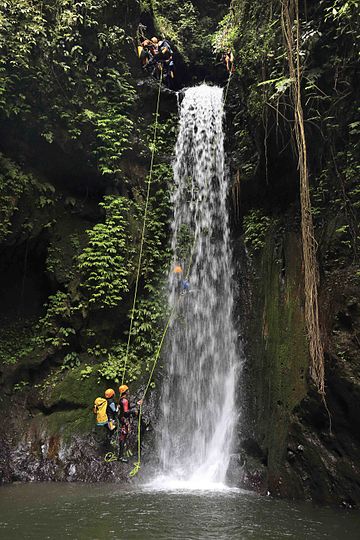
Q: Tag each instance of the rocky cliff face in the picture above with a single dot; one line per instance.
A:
(294, 444)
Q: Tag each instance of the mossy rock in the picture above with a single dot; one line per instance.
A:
(75, 390)
(69, 423)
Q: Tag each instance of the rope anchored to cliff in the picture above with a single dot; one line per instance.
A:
(143, 229)
(230, 66)
(137, 464)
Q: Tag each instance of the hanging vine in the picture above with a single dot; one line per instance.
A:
(291, 31)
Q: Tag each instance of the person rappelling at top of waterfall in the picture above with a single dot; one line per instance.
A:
(156, 57)
(228, 60)
(126, 411)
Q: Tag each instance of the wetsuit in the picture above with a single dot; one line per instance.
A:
(111, 411)
(125, 412)
(163, 60)
(147, 51)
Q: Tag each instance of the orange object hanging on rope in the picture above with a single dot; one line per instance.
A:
(177, 270)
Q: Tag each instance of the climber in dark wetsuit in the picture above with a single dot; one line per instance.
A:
(157, 59)
(126, 410)
(146, 52)
(111, 409)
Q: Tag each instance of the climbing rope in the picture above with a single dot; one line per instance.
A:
(137, 464)
(227, 87)
(228, 82)
(143, 228)
(110, 457)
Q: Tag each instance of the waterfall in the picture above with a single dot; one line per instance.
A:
(198, 399)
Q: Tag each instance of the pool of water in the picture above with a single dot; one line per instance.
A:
(92, 512)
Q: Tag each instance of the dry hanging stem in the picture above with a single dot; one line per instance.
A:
(291, 30)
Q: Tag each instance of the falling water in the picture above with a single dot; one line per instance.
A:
(198, 403)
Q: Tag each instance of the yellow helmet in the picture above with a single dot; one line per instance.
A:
(109, 393)
(122, 389)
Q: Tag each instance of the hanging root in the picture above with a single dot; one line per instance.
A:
(291, 32)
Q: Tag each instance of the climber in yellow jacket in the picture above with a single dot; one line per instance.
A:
(105, 410)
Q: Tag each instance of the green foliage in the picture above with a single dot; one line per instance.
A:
(20, 386)
(252, 31)
(227, 33)
(55, 326)
(64, 76)
(53, 258)
(112, 368)
(255, 226)
(71, 360)
(13, 183)
(105, 264)
(86, 372)
(109, 261)
(262, 126)
(186, 17)
(189, 26)
(344, 13)
(147, 331)
(165, 137)
(62, 69)
(106, 268)
(148, 327)
(17, 341)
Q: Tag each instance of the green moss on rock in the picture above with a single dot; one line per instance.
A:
(278, 359)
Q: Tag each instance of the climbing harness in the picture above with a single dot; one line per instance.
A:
(143, 228)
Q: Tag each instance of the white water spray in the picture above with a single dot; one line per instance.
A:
(198, 402)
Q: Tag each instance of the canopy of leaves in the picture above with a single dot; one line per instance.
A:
(62, 69)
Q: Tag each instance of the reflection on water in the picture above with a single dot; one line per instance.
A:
(96, 512)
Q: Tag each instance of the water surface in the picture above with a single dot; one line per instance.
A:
(96, 512)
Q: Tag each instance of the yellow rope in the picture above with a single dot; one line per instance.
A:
(156, 358)
(137, 464)
(109, 457)
(143, 229)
